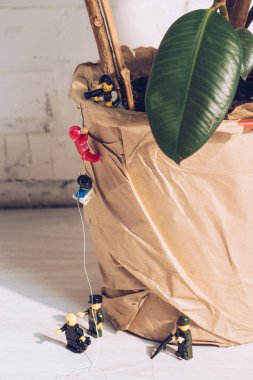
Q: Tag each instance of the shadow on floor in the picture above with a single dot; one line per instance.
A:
(42, 338)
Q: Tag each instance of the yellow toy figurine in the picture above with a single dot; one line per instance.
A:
(95, 315)
(76, 341)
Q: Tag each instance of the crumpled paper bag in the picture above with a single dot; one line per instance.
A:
(169, 239)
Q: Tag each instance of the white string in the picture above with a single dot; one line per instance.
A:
(91, 291)
(84, 252)
(72, 374)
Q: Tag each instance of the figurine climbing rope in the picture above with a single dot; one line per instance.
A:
(81, 141)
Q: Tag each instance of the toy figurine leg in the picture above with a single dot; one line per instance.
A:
(178, 354)
(183, 353)
(74, 347)
(91, 157)
(180, 351)
(93, 331)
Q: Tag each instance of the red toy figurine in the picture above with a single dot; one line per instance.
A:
(80, 139)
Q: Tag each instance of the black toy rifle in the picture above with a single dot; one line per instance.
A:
(162, 346)
(93, 93)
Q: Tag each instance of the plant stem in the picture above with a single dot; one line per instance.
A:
(221, 6)
(238, 12)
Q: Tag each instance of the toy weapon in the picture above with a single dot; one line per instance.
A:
(162, 346)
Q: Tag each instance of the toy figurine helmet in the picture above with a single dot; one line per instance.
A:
(183, 320)
(105, 79)
(84, 181)
(95, 298)
(74, 132)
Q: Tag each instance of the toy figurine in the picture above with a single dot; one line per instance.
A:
(84, 181)
(80, 140)
(105, 93)
(76, 341)
(95, 316)
(85, 192)
(183, 339)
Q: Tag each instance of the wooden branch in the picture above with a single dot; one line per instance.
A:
(238, 12)
(103, 45)
(121, 67)
(250, 18)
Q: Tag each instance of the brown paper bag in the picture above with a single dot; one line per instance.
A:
(170, 239)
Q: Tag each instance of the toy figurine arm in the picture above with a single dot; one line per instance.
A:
(82, 338)
(59, 331)
(98, 98)
(188, 339)
(81, 314)
(93, 94)
(79, 332)
(114, 96)
(100, 317)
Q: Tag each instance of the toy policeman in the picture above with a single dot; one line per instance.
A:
(105, 94)
(95, 316)
(76, 341)
(183, 338)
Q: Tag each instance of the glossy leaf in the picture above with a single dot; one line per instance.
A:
(192, 82)
(246, 38)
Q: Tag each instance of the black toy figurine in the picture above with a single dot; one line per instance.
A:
(76, 341)
(183, 339)
(95, 316)
(105, 94)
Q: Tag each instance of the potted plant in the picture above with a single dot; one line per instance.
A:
(171, 238)
(194, 79)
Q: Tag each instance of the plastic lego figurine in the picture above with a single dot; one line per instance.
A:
(105, 93)
(85, 192)
(95, 315)
(183, 338)
(80, 139)
(76, 341)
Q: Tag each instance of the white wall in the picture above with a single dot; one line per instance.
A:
(41, 44)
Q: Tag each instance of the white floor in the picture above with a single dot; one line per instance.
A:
(42, 279)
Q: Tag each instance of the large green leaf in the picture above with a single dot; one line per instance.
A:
(192, 83)
(246, 38)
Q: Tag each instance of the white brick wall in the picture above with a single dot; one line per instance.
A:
(41, 44)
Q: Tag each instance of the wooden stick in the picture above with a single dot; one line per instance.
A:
(238, 12)
(121, 66)
(103, 45)
(249, 18)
